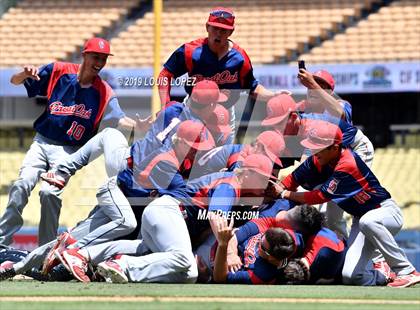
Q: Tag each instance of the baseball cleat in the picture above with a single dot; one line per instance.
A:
(54, 179)
(384, 268)
(7, 273)
(50, 261)
(112, 272)
(76, 263)
(6, 264)
(406, 280)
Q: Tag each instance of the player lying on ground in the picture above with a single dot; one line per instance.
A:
(321, 263)
(248, 260)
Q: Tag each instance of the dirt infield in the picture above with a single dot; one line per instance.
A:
(203, 299)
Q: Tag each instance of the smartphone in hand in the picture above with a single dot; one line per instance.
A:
(301, 64)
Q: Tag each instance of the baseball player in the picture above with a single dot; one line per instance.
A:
(320, 99)
(344, 178)
(282, 114)
(78, 101)
(243, 263)
(322, 260)
(219, 192)
(214, 58)
(263, 254)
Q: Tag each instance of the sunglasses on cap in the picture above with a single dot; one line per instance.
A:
(222, 14)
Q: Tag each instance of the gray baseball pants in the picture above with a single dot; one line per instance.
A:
(164, 233)
(374, 231)
(110, 219)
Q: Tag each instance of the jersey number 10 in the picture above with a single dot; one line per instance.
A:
(76, 130)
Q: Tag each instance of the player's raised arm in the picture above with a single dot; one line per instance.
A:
(165, 79)
(224, 232)
(27, 72)
(320, 87)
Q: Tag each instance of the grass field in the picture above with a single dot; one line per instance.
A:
(39, 295)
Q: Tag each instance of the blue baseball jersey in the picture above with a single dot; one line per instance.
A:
(278, 205)
(212, 192)
(349, 183)
(159, 173)
(257, 270)
(163, 128)
(226, 156)
(325, 254)
(232, 71)
(347, 111)
(73, 113)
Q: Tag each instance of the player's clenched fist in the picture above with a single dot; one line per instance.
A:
(31, 72)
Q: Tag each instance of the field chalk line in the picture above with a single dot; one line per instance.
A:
(202, 299)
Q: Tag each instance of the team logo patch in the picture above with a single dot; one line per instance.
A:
(332, 186)
(101, 45)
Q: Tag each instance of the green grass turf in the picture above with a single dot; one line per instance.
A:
(194, 306)
(32, 288)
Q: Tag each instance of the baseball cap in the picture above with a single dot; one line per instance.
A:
(260, 164)
(218, 120)
(278, 108)
(273, 144)
(321, 135)
(222, 17)
(196, 135)
(97, 45)
(326, 77)
(207, 92)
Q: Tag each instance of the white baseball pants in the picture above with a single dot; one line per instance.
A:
(165, 233)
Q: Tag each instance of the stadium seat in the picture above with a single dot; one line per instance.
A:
(389, 34)
(61, 25)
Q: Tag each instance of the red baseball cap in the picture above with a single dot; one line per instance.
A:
(196, 135)
(278, 108)
(260, 164)
(273, 144)
(325, 77)
(207, 92)
(218, 120)
(97, 45)
(222, 18)
(321, 135)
